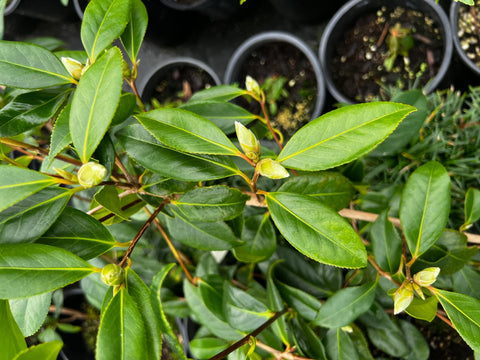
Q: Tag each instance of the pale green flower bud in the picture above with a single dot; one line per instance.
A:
(403, 297)
(427, 276)
(91, 174)
(252, 85)
(126, 71)
(74, 67)
(418, 291)
(248, 142)
(271, 169)
(113, 274)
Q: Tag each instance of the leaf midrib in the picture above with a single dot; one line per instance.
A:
(459, 310)
(43, 71)
(422, 220)
(97, 35)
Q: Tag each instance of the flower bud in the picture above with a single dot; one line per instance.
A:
(91, 174)
(126, 71)
(427, 276)
(113, 274)
(74, 67)
(418, 290)
(403, 297)
(252, 85)
(271, 169)
(248, 142)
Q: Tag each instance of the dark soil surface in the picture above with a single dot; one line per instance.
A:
(358, 67)
(469, 31)
(185, 2)
(273, 60)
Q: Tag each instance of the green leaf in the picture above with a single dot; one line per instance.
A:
(141, 296)
(425, 206)
(121, 334)
(30, 313)
(316, 230)
(464, 312)
(205, 348)
(472, 207)
(125, 109)
(28, 219)
(339, 346)
(12, 340)
(45, 351)
(79, 233)
(95, 101)
(126, 207)
(360, 343)
(212, 203)
(186, 131)
(419, 349)
(103, 22)
(108, 198)
(31, 269)
(276, 303)
(201, 235)
(211, 292)
(29, 110)
(146, 150)
(386, 243)
(94, 289)
(306, 305)
(259, 240)
(133, 34)
(61, 133)
(333, 189)
(320, 144)
(222, 93)
(346, 305)
(307, 340)
(30, 67)
(467, 281)
(423, 309)
(167, 331)
(222, 114)
(49, 43)
(17, 183)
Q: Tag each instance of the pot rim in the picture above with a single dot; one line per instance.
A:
(257, 40)
(443, 24)
(10, 8)
(78, 9)
(172, 4)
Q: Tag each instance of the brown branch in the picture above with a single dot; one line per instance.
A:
(129, 205)
(278, 354)
(381, 272)
(72, 313)
(267, 120)
(128, 176)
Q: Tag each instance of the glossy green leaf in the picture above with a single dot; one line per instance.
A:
(31, 269)
(360, 342)
(79, 233)
(167, 331)
(472, 207)
(425, 206)
(339, 346)
(28, 219)
(121, 334)
(133, 34)
(103, 22)
(30, 313)
(49, 43)
(218, 93)
(259, 240)
(333, 189)
(467, 281)
(211, 292)
(320, 144)
(108, 198)
(30, 66)
(201, 235)
(126, 207)
(29, 110)
(386, 243)
(125, 109)
(186, 131)
(11, 341)
(95, 101)
(17, 183)
(146, 150)
(61, 133)
(205, 348)
(316, 230)
(94, 289)
(105, 154)
(423, 309)
(306, 305)
(212, 203)
(346, 305)
(307, 340)
(419, 349)
(45, 351)
(141, 296)
(243, 311)
(276, 303)
(222, 114)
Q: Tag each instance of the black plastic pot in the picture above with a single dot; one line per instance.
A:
(351, 11)
(215, 9)
(10, 8)
(306, 11)
(165, 70)
(48, 10)
(232, 73)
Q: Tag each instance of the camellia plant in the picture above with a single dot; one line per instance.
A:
(96, 188)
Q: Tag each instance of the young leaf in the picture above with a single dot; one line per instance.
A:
(79, 233)
(222, 93)
(306, 305)
(472, 207)
(17, 183)
(121, 334)
(464, 312)
(30, 67)
(346, 305)
(425, 206)
(214, 203)
(423, 309)
(386, 243)
(320, 144)
(45, 351)
(11, 341)
(31, 269)
(146, 150)
(186, 131)
(95, 101)
(132, 37)
(316, 230)
(30, 313)
(103, 22)
(339, 346)
(61, 133)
